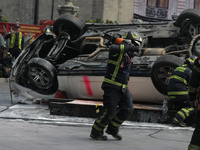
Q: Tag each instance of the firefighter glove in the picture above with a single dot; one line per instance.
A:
(133, 48)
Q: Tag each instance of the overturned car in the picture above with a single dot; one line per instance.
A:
(74, 59)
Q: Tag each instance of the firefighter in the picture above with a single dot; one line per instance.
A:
(195, 99)
(178, 94)
(115, 88)
(5, 62)
(16, 41)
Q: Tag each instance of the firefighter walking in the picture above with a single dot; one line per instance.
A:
(115, 88)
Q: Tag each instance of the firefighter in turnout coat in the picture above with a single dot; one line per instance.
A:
(116, 92)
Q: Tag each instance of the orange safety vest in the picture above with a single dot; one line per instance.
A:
(12, 40)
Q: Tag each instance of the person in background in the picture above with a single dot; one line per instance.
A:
(16, 41)
(5, 62)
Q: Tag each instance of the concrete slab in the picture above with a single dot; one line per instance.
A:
(93, 109)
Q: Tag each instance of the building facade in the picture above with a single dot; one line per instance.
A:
(163, 9)
(24, 10)
(120, 11)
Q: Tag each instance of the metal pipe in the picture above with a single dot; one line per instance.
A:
(52, 8)
(36, 12)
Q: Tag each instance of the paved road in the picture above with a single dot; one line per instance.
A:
(31, 127)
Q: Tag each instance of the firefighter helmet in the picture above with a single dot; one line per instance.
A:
(190, 61)
(134, 37)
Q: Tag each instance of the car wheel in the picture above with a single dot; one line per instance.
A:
(189, 15)
(162, 69)
(41, 76)
(68, 23)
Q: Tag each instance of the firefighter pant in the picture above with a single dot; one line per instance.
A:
(182, 103)
(113, 116)
(195, 141)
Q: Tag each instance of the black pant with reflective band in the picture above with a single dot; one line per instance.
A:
(196, 134)
(113, 116)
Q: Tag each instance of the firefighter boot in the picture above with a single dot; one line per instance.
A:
(97, 135)
(112, 130)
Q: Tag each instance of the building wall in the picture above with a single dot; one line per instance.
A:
(114, 10)
(89, 9)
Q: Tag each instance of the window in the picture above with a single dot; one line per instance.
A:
(158, 3)
(157, 8)
(197, 4)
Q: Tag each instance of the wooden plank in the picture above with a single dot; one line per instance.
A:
(100, 103)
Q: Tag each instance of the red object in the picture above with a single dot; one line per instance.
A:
(118, 41)
(87, 85)
(35, 30)
(60, 94)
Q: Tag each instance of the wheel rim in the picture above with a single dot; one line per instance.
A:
(164, 74)
(39, 77)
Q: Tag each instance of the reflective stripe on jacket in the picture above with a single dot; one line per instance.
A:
(117, 73)
(13, 38)
(179, 81)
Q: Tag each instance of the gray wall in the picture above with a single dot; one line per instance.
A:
(24, 9)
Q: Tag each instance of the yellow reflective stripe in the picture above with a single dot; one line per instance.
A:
(178, 78)
(192, 89)
(124, 85)
(191, 109)
(180, 69)
(121, 121)
(186, 111)
(100, 119)
(12, 40)
(122, 48)
(96, 127)
(20, 40)
(112, 62)
(115, 55)
(118, 62)
(115, 124)
(181, 114)
(193, 147)
(177, 93)
(112, 82)
(196, 68)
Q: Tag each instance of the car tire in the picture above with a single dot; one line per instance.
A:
(68, 23)
(192, 14)
(41, 76)
(162, 69)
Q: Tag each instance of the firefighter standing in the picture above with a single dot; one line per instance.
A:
(16, 41)
(115, 88)
(193, 90)
(178, 92)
